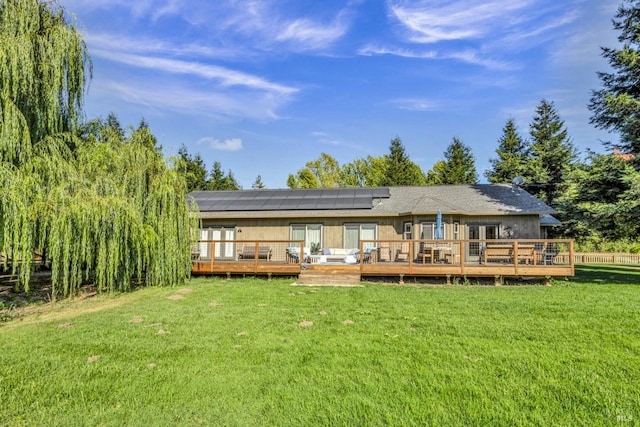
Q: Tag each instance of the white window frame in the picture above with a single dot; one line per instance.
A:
(368, 226)
(407, 230)
(431, 225)
(307, 240)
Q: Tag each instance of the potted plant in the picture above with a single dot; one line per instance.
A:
(315, 248)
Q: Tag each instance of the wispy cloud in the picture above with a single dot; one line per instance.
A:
(415, 104)
(162, 99)
(224, 76)
(233, 144)
(435, 21)
(139, 44)
(468, 56)
(305, 34)
(325, 138)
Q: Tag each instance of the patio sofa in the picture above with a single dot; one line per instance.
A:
(340, 255)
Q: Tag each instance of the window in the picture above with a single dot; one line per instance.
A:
(353, 233)
(429, 230)
(223, 238)
(310, 233)
(408, 231)
(456, 231)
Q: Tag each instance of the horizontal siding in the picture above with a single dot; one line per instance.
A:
(389, 228)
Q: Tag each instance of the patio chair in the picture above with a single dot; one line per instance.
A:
(403, 253)
(384, 252)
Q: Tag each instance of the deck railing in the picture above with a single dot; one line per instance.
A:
(606, 258)
(535, 257)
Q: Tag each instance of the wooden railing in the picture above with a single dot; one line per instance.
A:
(605, 258)
(530, 257)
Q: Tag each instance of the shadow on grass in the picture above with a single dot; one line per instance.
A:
(607, 274)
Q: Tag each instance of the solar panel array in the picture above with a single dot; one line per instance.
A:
(295, 199)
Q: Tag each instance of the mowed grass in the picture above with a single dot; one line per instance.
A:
(249, 352)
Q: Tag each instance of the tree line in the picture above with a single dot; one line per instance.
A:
(596, 197)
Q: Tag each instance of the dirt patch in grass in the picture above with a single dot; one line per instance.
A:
(176, 297)
(305, 324)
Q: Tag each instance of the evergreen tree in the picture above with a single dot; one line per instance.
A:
(258, 184)
(616, 106)
(601, 200)
(552, 154)
(400, 169)
(194, 169)
(457, 168)
(218, 180)
(512, 156)
(113, 123)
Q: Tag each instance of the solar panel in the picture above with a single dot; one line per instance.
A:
(292, 199)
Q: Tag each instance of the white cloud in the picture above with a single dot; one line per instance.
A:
(105, 42)
(434, 21)
(305, 34)
(224, 76)
(415, 104)
(159, 98)
(233, 144)
(468, 56)
(371, 50)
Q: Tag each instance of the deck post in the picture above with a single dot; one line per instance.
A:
(516, 259)
(571, 258)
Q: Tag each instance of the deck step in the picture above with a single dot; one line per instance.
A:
(328, 277)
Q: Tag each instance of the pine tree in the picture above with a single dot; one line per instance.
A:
(218, 180)
(601, 200)
(194, 169)
(457, 168)
(258, 184)
(512, 156)
(552, 154)
(400, 170)
(616, 107)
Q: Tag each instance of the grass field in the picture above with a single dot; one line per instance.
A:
(249, 352)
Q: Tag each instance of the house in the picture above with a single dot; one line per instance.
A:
(361, 219)
(340, 217)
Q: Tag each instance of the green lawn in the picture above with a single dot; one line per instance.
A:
(240, 353)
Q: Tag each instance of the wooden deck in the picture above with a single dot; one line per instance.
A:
(426, 258)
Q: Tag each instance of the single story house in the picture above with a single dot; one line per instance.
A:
(341, 217)
(448, 230)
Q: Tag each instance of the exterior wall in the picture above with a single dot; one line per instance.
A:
(389, 228)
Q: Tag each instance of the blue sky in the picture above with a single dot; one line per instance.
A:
(263, 86)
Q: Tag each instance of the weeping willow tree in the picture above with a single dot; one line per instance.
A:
(102, 206)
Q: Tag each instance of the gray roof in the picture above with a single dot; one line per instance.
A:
(547, 220)
(480, 199)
